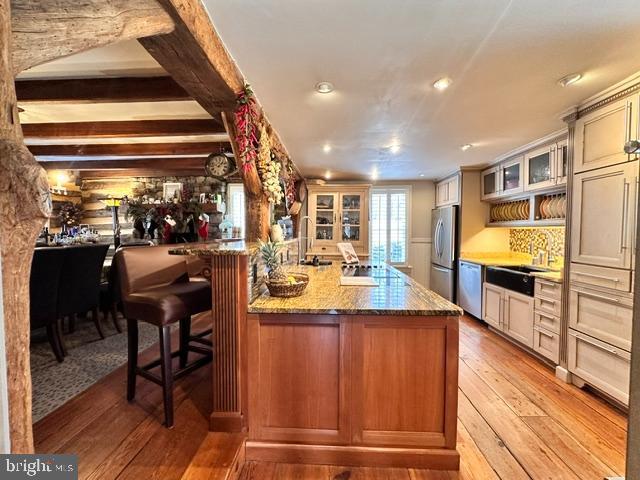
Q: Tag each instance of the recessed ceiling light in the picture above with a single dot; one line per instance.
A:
(327, 174)
(569, 79)
(374, 174)
(324, 87)
(421, 175)
(394, 148)
(442, 83)
(326, 148)
(465, 147)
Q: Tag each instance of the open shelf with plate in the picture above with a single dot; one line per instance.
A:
(536, 210)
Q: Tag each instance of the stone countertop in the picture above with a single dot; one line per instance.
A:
(396, 294)
(553, 276)
(220, 247)
(512, 259)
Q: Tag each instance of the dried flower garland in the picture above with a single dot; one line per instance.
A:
(269, 169)
(290, 183)
(246, 120)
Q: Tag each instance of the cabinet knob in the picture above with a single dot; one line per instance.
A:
(632, 146)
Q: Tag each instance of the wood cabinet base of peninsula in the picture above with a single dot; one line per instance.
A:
(365, 390)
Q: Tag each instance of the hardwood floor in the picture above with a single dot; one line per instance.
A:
(515, 421)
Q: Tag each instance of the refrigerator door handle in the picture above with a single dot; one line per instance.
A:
(435, 237)
(441, 238)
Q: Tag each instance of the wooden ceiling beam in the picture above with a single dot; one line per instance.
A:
(45, 31)
(194, 55)
(129, 149)
(137, 172)
(158, 164)
(100, 90)
(125, 129)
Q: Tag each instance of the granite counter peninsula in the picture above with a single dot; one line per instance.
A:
(342, 375)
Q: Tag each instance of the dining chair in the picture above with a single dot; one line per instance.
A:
(46, 271)
(80, 282)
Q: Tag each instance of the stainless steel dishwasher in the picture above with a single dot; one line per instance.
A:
(470, 288)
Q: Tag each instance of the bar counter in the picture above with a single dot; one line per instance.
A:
(342, 375)
(396, 294)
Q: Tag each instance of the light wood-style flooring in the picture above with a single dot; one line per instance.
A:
(516, 421)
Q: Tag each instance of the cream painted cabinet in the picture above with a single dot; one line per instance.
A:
(518, 317)
(603, 217)
(540, 168)
(600, 135)
(606, 316)
(562, 162)
(511, 176)
(509, 312)
(605, 367)
(448, 191)
(490, 183)
(340, 213)
(492, 305)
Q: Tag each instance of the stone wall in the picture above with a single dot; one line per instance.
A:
(89, 192)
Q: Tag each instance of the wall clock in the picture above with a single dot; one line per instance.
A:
(220, 165)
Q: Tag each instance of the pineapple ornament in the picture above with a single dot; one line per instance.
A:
(270, 255)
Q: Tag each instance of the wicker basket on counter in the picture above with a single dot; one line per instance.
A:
(286, 289)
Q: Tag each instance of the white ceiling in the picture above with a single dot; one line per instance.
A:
(504, 58)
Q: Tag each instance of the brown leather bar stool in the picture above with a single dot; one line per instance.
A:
(156, 289)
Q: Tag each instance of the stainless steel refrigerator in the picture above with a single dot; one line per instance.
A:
(443, 252)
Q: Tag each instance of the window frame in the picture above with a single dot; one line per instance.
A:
(388, 190)
(229, 205)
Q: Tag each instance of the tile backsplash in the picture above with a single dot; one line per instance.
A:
(520, 238)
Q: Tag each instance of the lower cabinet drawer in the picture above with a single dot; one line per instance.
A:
(546, 343)
(600, 364)
(548, 305)
(548, 289)
(547, 321)
(592, 275)
(605, 316)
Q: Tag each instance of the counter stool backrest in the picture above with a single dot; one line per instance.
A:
(142, 268)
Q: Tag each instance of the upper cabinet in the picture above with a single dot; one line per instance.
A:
(540, 168)
(600, 135)
(510, 176)
(448, 191)
(562, 162)
(490, 184)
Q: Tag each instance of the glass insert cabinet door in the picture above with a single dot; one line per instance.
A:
(511, 176)
(326, 208)
(350, 217)
(490, 183)
(540, 168)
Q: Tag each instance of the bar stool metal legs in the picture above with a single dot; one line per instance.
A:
(132, 357)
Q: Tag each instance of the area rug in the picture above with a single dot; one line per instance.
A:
(89, 359)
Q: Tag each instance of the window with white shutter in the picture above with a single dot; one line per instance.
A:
(389, 225)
